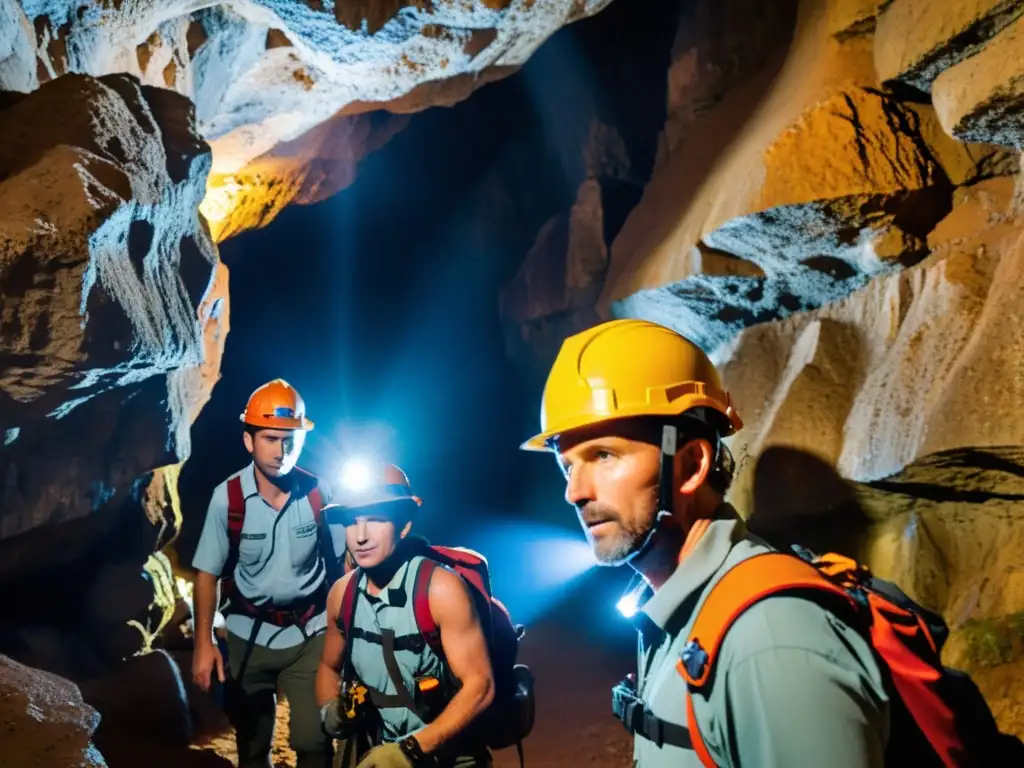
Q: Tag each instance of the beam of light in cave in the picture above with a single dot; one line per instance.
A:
(533, 565)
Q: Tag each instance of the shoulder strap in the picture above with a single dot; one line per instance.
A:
(346, 618)
(236, 510)
(236, 519)
(316, 501)
(421, 604)
(743, 585)
(347, 612)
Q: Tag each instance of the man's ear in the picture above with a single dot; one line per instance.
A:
(693, 465)
(247, 439)
(406, 529)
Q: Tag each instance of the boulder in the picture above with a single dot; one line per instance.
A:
(46, 723)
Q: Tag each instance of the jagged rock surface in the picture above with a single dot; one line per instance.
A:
(984, 95)
(46, 723)
(107, 274)
(264, 73)
(808, 172)
(916, 40)
(915, 363)
(112, 329)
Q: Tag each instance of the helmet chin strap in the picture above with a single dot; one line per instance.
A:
(669, 446)
(666, 491)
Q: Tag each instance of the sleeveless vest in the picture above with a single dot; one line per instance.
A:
(384, 632)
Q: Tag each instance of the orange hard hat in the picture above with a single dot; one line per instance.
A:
(276, 405)
(365, 484)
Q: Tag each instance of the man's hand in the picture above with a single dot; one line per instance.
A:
(205, 657)
(386, 756)
(334, 724)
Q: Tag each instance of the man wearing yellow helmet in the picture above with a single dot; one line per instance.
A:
(635, 415)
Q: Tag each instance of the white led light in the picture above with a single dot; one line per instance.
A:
(356, 475)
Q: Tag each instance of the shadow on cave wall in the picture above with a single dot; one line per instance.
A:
(800, 499)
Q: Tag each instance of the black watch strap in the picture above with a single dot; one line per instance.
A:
(413, 751)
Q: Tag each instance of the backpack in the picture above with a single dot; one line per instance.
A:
(509, 718)
(236, 519)
(939, 716)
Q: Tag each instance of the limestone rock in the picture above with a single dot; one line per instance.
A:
(553, 293)
(806, 169)
(846, 192)
(916, 40)
(555, 290)
(947, 529)
(106, 265)
(46, 723)
(982, 98)
(963, 162)
(853, 17)
(913, 364)
(144, 697)
(717, 47)
(951, 535)
(263, 73)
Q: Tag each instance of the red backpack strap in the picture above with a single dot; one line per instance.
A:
(346, 614)
(316, 502)
(236, 511)
(746, 583)
(236, 519)
(421, 604)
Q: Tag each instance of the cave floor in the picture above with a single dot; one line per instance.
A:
(574, 725)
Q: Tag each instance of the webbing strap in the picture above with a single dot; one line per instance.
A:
(638, 719)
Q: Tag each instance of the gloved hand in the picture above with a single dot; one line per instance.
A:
(334, 725)
(386, 756)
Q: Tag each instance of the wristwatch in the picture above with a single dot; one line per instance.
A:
(411, 749)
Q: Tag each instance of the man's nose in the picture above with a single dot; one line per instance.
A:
(361, 532)
(578, 488)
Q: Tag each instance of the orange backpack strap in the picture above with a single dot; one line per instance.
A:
(746, 583)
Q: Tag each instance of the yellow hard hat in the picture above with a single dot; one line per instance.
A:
(626, 369)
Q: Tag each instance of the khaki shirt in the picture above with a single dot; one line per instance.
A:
(794, 686)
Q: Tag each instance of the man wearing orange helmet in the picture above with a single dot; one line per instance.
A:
(375, 635)
(635, 415)
(262, 540)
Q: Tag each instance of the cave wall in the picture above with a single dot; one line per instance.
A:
(289, 93)
(836, 215)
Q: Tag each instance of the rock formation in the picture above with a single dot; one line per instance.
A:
(282, 87)
(114, 317)
(46, 723)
